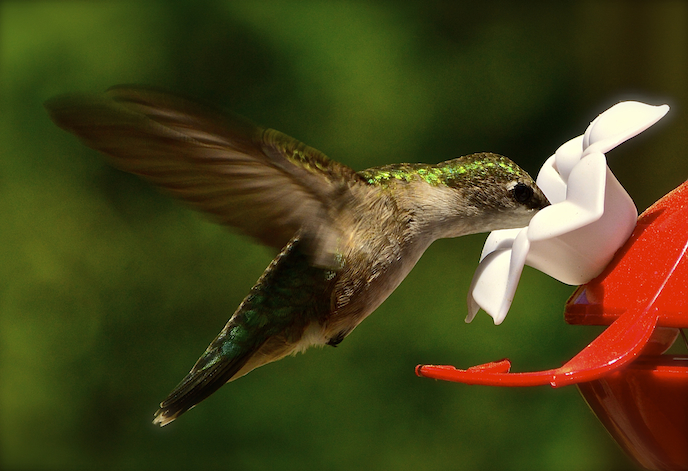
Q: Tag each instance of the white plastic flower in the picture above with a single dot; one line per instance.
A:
(591, 215)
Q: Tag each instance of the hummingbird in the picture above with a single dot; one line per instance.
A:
(346, 238)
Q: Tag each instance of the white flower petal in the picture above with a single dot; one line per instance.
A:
(502, 239)
(620, 123)
(551, 183)
(567, 156)
(496, 279)
(584, 202)
(489, 285)
(591, 215)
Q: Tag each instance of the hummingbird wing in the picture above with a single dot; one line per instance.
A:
(260, 181)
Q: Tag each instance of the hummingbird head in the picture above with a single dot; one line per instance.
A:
(476, 193)
(493, 192)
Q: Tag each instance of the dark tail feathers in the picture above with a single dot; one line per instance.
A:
(210, 372)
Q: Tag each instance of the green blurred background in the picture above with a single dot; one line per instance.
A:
(110, 291)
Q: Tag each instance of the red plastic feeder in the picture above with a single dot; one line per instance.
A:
(639, 394)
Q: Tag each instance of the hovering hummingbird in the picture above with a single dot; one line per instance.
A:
(347, 238)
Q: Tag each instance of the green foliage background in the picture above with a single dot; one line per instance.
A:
(109, 291)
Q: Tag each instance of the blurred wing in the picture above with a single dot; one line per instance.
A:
(258, 180)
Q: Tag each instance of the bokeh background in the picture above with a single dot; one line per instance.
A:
(109, 291)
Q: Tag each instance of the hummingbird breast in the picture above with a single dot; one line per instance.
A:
(298, 305)
(382, 247)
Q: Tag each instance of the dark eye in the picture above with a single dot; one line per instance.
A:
(522, 192)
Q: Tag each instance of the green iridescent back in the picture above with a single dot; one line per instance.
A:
(451, 173)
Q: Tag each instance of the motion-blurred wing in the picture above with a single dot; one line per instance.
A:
(258, 180)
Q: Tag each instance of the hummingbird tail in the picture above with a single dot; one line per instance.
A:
(210, 372)
(281, 315)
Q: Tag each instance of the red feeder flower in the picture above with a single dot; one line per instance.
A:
(637, 392)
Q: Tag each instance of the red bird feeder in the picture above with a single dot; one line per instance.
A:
(639, 393)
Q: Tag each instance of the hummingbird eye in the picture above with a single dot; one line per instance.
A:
(522, 192)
